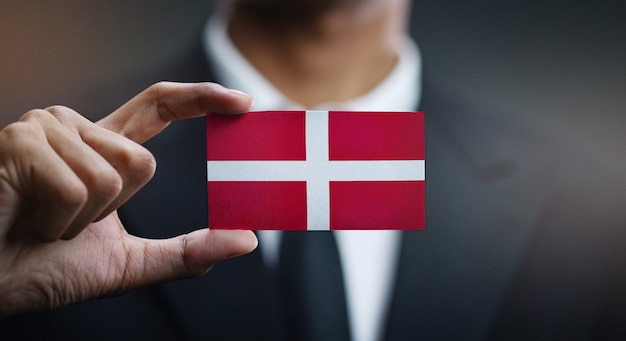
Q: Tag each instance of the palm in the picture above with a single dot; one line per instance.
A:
(92, 264)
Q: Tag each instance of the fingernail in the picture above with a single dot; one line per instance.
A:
(242, 95)
(238, 93)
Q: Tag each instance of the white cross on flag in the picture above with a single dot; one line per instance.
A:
(316, 170)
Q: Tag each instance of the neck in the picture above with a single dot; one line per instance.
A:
(335, 56)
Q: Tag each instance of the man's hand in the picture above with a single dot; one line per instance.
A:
(62, 179)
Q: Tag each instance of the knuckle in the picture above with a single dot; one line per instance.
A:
(51, 115)
(137, 162)
(73, 196)
(156, 92)
(107, 183)
(144, 164)
(20, 137)
(36, 115)
(15, 130)
(159, 85)
(62, 113)
(58, 110)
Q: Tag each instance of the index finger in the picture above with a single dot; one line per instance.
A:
(152, 110)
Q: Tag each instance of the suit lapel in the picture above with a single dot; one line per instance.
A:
(452, 276)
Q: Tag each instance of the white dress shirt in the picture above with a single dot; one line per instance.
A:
(368, 258)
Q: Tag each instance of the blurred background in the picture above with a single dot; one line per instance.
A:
(561, 64)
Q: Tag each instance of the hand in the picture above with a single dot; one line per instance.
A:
(62, 179)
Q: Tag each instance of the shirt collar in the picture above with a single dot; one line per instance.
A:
(399, 91)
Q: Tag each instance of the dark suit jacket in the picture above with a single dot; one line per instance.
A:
(524, 240)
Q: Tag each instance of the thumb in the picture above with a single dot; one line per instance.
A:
(185, 256)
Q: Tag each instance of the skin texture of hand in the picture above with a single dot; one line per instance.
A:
(62, 179)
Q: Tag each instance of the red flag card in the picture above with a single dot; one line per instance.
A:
(316, 170)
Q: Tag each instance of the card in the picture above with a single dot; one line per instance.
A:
(316, 170)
